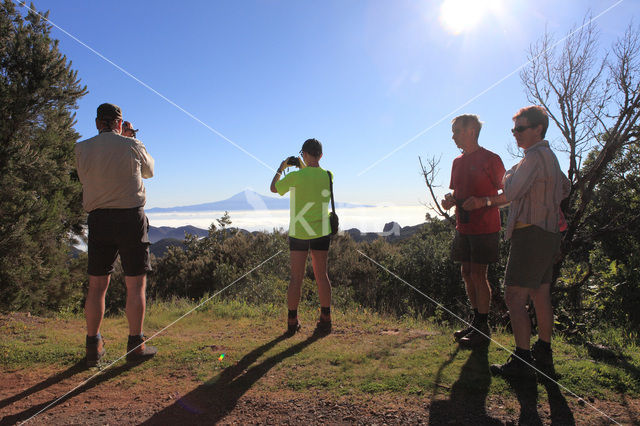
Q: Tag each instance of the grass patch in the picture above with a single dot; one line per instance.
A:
(367, 354)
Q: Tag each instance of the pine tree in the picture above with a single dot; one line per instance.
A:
(40, 208)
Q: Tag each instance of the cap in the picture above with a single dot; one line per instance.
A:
(126, 125)
(313, 147)
(109, 112)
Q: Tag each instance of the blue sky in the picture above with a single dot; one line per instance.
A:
(363, 77)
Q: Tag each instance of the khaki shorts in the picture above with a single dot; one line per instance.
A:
(480, 248)
(532, 256)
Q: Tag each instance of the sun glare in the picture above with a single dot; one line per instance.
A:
(458, 16)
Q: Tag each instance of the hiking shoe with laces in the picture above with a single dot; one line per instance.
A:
(293, 328)
(95, 351)
(323, 326)
(479, 336)
(142, 351)
(543, 360)
(459, 334)
(514, 368)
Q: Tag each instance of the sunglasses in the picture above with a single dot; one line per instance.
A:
(521, 129)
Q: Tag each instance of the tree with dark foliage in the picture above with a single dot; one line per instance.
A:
(40, 206)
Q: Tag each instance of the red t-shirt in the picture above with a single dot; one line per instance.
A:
(479, 174)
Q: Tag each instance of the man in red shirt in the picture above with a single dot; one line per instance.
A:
(478, 173)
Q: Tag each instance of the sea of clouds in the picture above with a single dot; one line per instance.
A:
(366, 219)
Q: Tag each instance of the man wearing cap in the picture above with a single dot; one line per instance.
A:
(111, 168)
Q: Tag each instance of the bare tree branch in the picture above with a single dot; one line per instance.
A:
(574, 77)
(594, 102)
(429, 177)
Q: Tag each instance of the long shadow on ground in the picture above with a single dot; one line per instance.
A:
(56, 378)
(468, 395)
(29, 412)
(527, 393)
(212, 401)
(560, 412)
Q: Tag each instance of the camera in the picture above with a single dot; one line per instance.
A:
(464, 214)
(295, 161)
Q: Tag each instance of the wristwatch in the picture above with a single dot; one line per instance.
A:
(488, 201)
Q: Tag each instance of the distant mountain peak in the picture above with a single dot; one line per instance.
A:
(247, 199)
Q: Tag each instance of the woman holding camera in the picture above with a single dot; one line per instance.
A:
(309, 228)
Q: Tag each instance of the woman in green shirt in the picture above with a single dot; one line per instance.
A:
(309, 229)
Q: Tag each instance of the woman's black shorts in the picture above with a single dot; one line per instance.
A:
(321, 243)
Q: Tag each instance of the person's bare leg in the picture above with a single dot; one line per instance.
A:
(478, 278)
(516, 299)
(544, 311)
(298, 259)
(94, 305)
(319, 262)
(136, 302)
(481, 287)
(465, 271)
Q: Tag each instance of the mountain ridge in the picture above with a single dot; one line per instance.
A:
(165, 236)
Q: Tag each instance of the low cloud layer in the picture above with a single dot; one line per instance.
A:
(366, 219)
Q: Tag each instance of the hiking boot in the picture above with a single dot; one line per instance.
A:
(95, 351)
(293, 328)
(323, 326)
(514, 368)
(459, 334)
(543, 360)
(137, 350)
(479, 336)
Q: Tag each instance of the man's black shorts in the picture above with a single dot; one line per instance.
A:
(123, 231)
(321, 243)
(480, 248)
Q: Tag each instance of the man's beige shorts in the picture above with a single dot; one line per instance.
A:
(531, 258)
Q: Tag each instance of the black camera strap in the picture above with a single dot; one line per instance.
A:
(333, 206)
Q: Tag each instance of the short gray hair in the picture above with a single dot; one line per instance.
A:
(468, 120)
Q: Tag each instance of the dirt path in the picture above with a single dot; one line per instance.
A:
(184, 400)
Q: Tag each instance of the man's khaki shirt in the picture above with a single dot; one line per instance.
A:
(111, 168)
